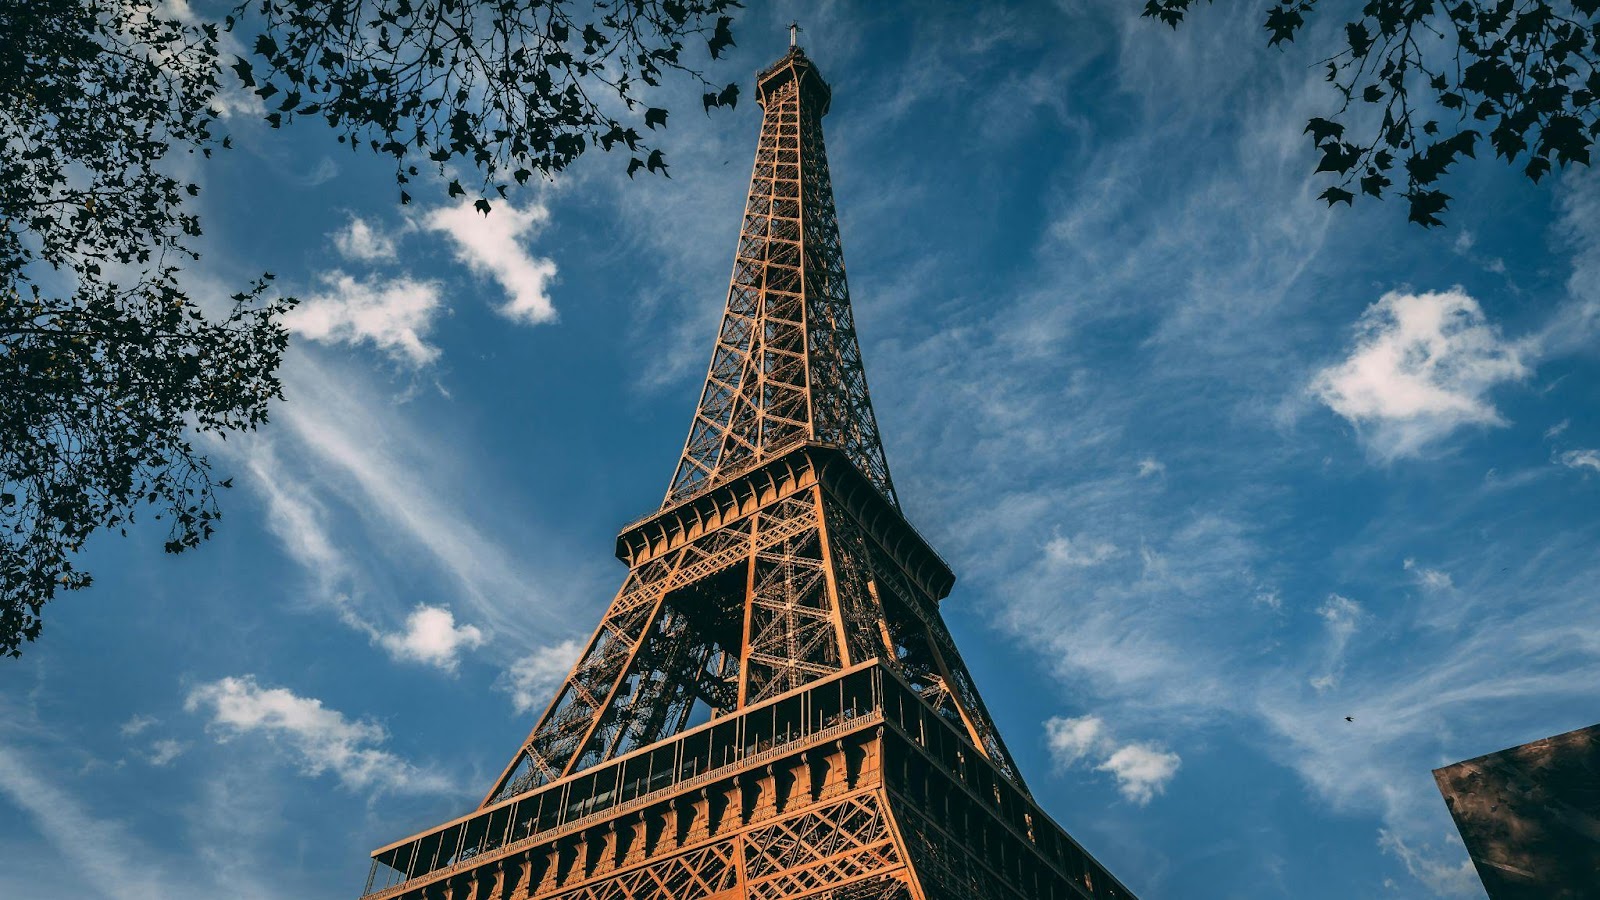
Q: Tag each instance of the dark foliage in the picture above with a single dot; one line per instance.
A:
(108, 367)
(1442, 75)
(507, 87)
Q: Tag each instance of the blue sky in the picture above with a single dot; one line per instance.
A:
(1216, 469)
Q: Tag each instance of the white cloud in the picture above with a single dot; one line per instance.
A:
(1573, 326)
(298, 519)
(432, 637)
(360, 241)
(1421, 367)
(320, 739)
(1151, 466)
(293, 513)
(1342, 617)
(1555, 431)
(1142, 770)
(1580, 459)
(1445, 877)
(1432, 579)
(1067, 553)
(532, 680)
(137, 724)
(1070, 740)
(164, 751)
(490, 245)
(394, 315)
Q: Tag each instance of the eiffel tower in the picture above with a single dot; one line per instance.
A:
(772, 706)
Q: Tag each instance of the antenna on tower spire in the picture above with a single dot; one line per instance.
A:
(794, 34)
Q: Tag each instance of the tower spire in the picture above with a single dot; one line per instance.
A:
(786, 368)
(794, 35)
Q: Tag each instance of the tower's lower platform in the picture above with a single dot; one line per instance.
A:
(850, 787)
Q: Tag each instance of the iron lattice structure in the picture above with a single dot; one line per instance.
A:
(772, 706)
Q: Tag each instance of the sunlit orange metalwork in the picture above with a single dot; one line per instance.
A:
(772, 706)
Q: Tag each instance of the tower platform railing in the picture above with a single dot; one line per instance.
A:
(870, 696)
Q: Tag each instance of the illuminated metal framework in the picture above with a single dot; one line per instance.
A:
(772, 706)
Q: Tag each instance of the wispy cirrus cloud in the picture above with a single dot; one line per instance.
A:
(1580, 459)
(297, 516)
(1432, 579)
(103, 851)
(1445, 877)
(395, 486)
(1076, 553)
(137, 725)
(1150, 467)
(352, 489)
(336, 563)
(1341, 616)
(164, 751)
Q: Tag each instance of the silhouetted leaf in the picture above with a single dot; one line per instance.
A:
(1358, 38)
(1337, 195)
(1424, 206)
(721, 37)
(1531, 67)
(1338, 157)
(1322, 129)
(1564, 136)
(1282, 22)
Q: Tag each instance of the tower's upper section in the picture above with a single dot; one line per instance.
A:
(786, 368)
(795, 66)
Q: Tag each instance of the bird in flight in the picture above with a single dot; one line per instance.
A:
(1349, 718)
